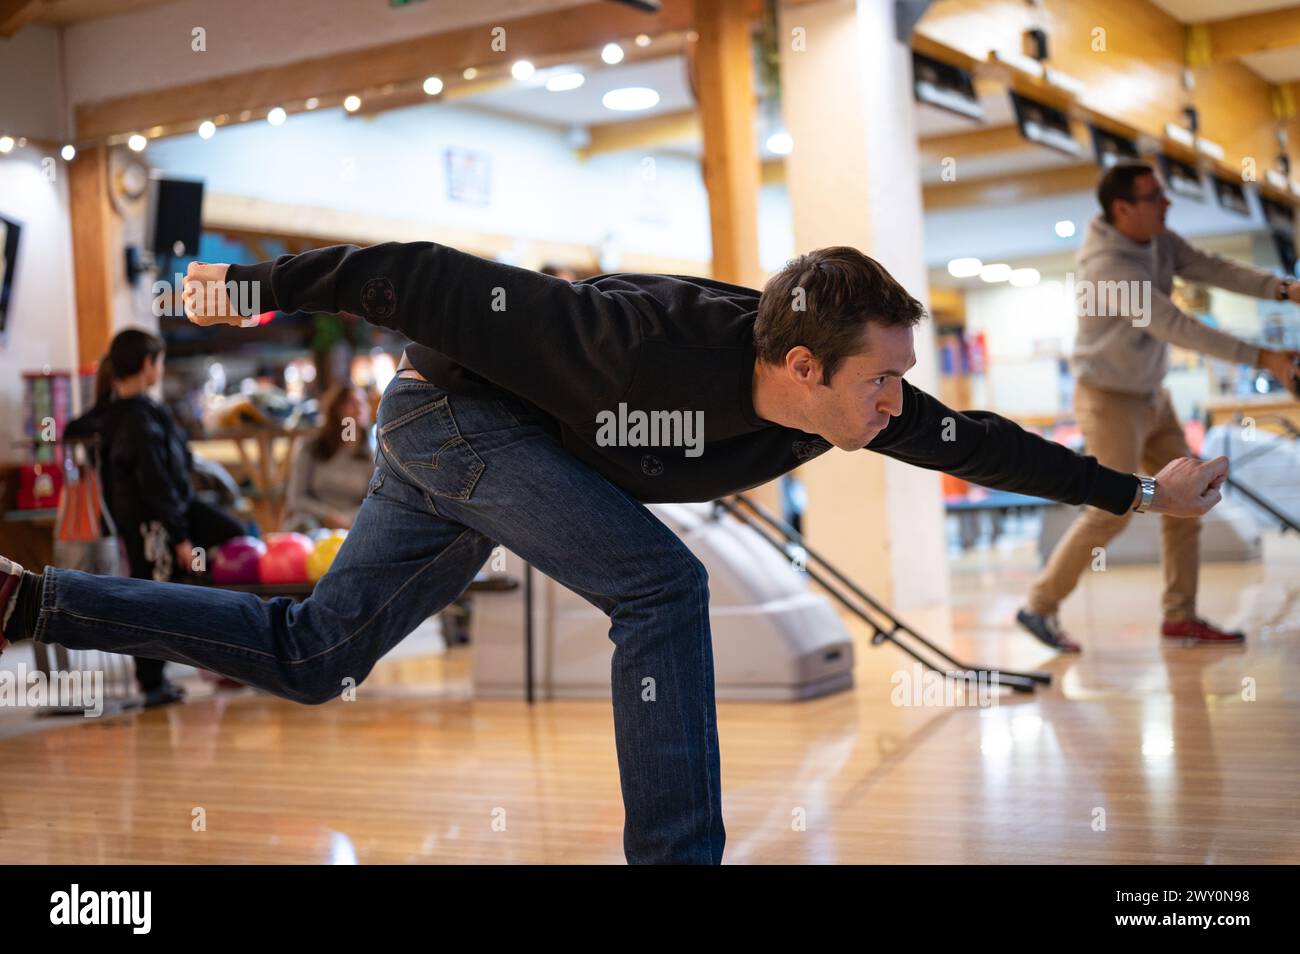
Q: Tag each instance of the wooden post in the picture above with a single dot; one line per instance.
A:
(91, 211)
(724, 72)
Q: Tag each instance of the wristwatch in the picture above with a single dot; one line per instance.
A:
(1148, 493)
(1284, 289)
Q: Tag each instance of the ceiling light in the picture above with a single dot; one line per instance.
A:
(433, 85)
(68, 152)
(522, 70)
(964, 267)
(642, 39)
(1065, 228)
(312, 103)
(469, 73)
(611, 53)
(6, 143)
(352, 103)
(565, 81)
(207, 129)
(277, 116)
(995, 273)
(780, 143)
(630, 98)
(1025, 277)
(137, 142)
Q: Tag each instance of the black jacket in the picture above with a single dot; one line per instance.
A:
(144, 463)
(656, 343)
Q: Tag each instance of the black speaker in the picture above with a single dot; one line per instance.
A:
(177, 219)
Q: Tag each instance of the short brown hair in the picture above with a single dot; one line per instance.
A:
(1117, 183)
(841, 292)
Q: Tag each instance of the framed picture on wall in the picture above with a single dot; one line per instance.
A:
(9, 232)
(469, 176)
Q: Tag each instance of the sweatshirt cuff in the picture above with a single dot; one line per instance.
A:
(1113, 490)
(259, 274)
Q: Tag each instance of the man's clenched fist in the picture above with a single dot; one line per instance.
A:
(207, 301)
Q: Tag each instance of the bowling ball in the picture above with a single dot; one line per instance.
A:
(236, 561)
(323, 553)
(285, 560)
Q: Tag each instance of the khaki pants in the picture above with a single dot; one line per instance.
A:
(1125, 431)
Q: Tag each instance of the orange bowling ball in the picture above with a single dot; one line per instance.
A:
(285, 560)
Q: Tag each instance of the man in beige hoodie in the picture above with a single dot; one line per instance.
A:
(1126, 324)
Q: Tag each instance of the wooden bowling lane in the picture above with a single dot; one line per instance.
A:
(1158, 739)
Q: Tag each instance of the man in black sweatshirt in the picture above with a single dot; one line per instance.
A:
(542, 415)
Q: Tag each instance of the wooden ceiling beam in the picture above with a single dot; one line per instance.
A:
(359, 71)
(15, 14)
(1222, 41)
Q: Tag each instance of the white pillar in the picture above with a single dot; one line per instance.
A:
(854, 179)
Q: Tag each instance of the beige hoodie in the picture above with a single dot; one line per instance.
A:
(1126, 318)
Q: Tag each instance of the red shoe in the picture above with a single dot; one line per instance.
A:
(11, 574)
(1198, 632)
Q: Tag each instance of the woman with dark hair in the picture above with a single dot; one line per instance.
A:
(331, 471)
(144, 462)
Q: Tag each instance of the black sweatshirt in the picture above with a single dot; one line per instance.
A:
(651, 343)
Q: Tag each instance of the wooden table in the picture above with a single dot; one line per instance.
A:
(265, 457)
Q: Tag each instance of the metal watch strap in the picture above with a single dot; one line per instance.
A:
(1148, 493)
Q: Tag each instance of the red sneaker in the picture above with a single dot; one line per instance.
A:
(1199, 632)
(11, 574)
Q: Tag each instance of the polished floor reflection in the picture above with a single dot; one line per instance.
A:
(1138, 754)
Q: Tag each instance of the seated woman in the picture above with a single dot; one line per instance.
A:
(331, 471)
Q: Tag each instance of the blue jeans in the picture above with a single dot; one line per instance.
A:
(456, 475)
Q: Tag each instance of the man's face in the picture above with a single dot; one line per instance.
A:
(866, 390)
(153, 369)
(1144, 217)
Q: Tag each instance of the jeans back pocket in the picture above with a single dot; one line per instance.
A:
(418, 435)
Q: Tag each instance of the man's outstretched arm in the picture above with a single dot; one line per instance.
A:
(998, 453)
(502, 322)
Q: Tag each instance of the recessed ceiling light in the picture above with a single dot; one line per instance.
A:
(352, 103)
(1025, 277)
(565, 81)
(137, 142)
(611, 53)
(6, 143)
(207, 129)
(312, 103)
(964, 267)
(68, 152)
(630, 98)
(469, 73)
(276, 116)
(995, 273)
(522, 70)
(642, 39)
(1065, 228)
(433, 85)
